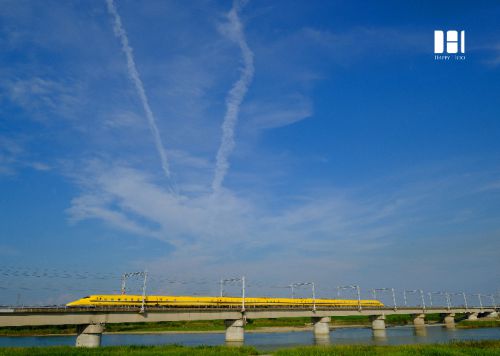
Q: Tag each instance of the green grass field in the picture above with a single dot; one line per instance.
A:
(456, 348)
(130, 350)
(479, 324)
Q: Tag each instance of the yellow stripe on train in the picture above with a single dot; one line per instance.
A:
(187, 301)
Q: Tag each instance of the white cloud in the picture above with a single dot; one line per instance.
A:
(492, 186)
(11, 151)
(357, 42)
(15, 155)
(124, 119)
(214, 225)
(139, 86)
(94, 207)
(43, 97)
(282, 111)
(247, 234)
(234, 30)
(300, 233)
(40, 166)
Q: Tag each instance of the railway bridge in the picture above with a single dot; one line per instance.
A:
(91, 321)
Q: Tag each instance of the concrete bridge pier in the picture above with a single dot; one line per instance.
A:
(321, 330)
(378, 322)
(378, 326)
(321, 325)
(472, 316)
(89, 335)
(419, 324)
(235, 332)
(449, 320)
(419, 320)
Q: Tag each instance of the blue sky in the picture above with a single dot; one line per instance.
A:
(357, 157)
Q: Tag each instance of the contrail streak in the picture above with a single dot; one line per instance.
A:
(234, 97)
(139, 86)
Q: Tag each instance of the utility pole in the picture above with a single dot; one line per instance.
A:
(445, 294)
(145, 273)
(359, 297)
(123, 288)
(222, 282)
(300, 284)
(314, 296)
(480, 300)
(374, 293)
(354, 287)
(462, 294)
(243, 293)
(420, 291)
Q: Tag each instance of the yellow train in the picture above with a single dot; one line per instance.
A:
(225, 302)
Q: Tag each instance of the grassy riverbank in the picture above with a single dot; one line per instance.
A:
(208, 325)
(456, 348)
(475, 324)
(169, 350)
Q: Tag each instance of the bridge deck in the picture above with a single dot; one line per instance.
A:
(65, 315)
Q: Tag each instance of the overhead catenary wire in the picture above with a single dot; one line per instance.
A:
(39, 283)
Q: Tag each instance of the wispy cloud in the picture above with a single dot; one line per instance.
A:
(236, 232)
(282, 111)
(40, 166)
(355, 43)
(234, 30)
(332, 233)
(14, 156)
(492, 51)
(136, 79)
(10, 150)
(43, 97)
(97, 207)
(123, 119)
(272, 221)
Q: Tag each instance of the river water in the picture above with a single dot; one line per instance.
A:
(270, 341)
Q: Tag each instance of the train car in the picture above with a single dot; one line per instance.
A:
(224, 302)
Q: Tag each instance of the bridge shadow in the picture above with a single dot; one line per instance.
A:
(379, 337)
(420, 331)
(235, 343)
(322, 340)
